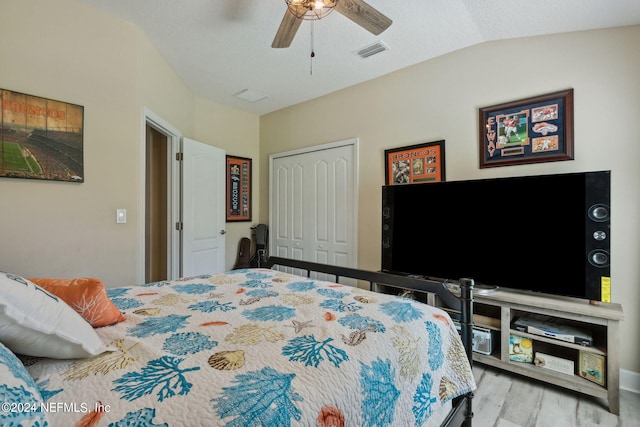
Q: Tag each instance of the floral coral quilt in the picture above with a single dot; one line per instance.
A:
(260, 347)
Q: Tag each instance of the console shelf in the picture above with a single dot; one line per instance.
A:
(602, 320)
(498, 309)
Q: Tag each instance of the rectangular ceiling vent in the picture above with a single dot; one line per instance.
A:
(371, 50)
(250, 95)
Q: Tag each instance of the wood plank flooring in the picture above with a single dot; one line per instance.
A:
(504, 399)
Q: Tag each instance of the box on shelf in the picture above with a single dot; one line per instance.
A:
(520, 349)
(484, 340)
(554, 363)
(592, 367)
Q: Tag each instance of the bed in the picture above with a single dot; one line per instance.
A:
(253, 347)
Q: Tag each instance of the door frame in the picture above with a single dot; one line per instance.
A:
(356, 162)
(174, 141)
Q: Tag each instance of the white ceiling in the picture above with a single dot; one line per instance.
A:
(221, 47)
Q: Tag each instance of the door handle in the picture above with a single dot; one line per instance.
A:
(223, 232)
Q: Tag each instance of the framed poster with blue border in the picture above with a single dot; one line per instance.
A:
(531, 130)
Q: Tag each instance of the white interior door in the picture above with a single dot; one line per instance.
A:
(313, 206)
(203, 205)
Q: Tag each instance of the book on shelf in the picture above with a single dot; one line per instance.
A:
(554, 363)
(592, 367)
(520, 349)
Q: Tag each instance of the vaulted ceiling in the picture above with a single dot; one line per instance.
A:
(222, 47)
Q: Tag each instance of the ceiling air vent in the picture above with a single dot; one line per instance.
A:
(371, 50)
(250, 95)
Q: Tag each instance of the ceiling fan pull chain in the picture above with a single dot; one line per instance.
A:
(313, 54)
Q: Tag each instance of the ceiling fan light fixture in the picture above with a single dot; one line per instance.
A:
(357, 11)
(310, 9)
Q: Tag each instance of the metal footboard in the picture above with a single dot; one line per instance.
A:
(461, 413)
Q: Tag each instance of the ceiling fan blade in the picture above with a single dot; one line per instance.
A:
(364, 15)
(287, 30)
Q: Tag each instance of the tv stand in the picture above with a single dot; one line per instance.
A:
(497, 310)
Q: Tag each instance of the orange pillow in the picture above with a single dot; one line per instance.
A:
(87, 296)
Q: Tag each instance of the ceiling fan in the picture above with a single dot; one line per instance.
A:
(358, 11)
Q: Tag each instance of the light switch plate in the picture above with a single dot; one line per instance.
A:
(121, 216)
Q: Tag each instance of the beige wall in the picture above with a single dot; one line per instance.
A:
(439, 99)
(68, 51)
(67, 229)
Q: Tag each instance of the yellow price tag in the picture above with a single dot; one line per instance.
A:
(605, 284)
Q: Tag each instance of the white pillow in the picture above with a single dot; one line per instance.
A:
(35, 323)
(21, 400)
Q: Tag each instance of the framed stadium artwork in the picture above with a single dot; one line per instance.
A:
(415, 164)
(238, 171)
(40, 138)
(532, 130)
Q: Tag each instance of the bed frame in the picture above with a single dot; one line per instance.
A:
(461, 413)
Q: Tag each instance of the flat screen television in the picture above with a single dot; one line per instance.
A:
(545, 233)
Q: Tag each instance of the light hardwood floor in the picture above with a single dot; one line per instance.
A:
(508, 400)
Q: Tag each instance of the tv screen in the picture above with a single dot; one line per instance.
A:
(547, 233)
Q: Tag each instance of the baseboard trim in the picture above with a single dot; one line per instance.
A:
(630, 381)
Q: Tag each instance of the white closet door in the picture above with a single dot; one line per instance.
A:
(313, 207)
(203, 205)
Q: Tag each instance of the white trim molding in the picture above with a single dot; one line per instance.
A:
(630, 381)
(174, 141)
